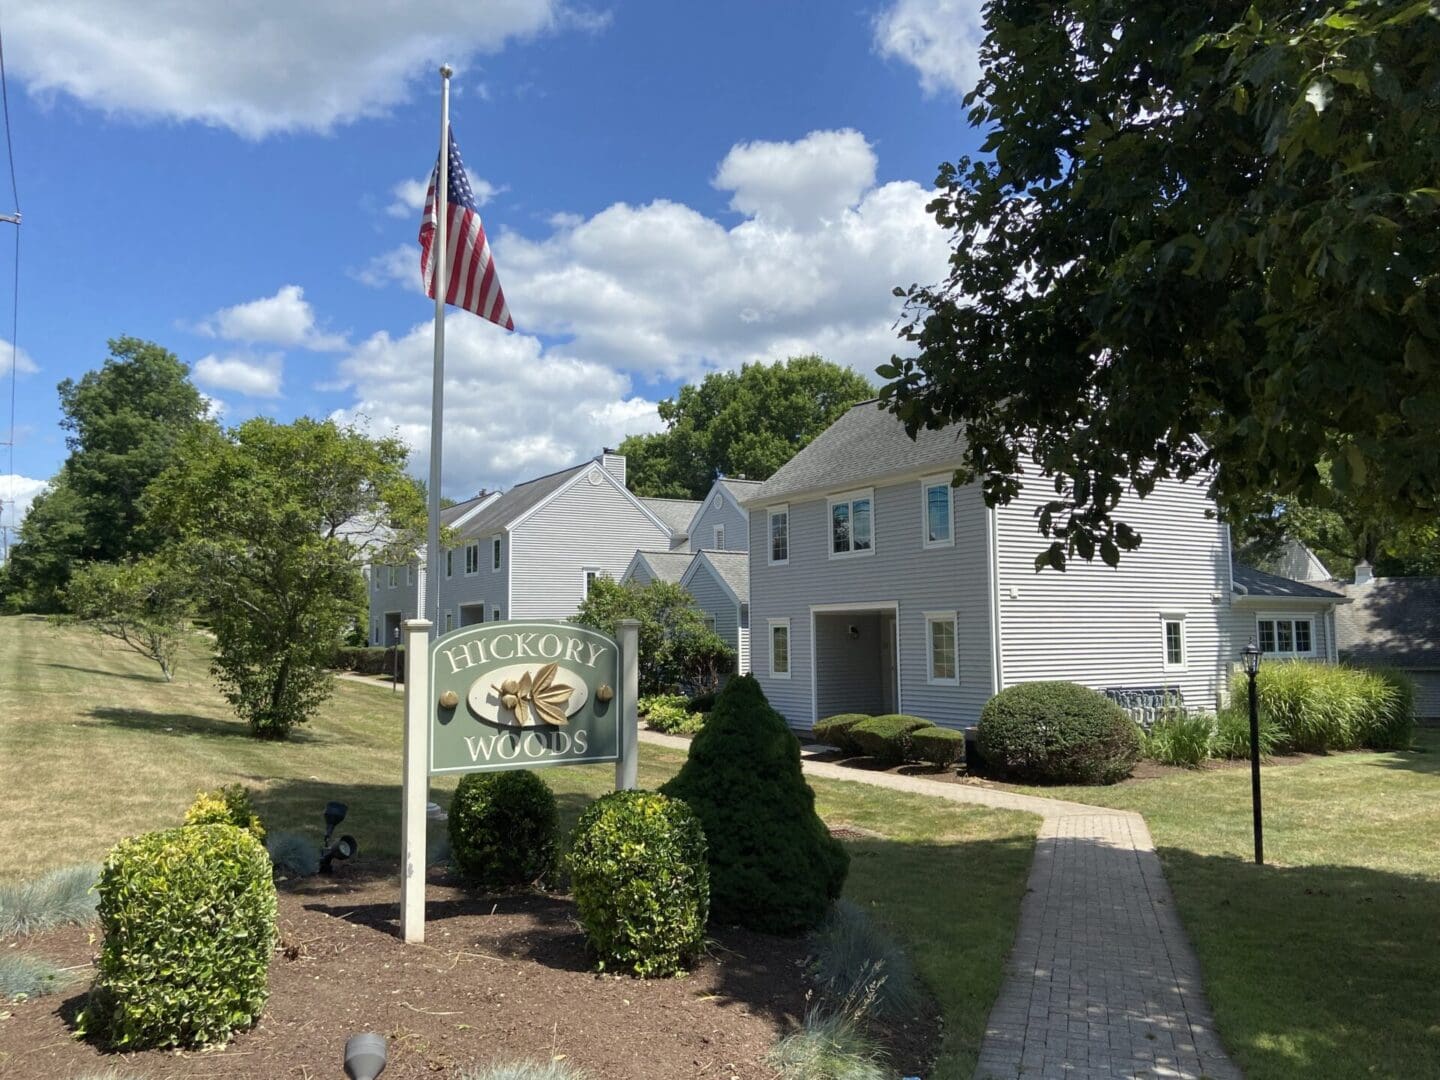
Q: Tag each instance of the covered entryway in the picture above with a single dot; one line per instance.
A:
(856, 661)
(391, 628)
(470, 614)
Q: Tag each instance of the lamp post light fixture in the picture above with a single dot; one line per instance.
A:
(1251, 657)
(365, 1056)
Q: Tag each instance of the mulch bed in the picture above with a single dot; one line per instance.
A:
(498, 979)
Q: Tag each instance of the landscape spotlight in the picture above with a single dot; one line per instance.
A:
(365, 1056)
(334, 814)
(342, 849)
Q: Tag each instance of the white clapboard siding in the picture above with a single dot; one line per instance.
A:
(901, 571)
(1102, 627)
(585, 525)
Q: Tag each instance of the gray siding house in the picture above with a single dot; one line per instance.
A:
(1395, 622)
(878, 587)
(532, 552)
(720, 583)
(648, 566)
(720, 522)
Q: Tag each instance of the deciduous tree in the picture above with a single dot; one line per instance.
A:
(143, 604)
(675, 645)
(1203, 241)
(739, 423)
(272, 519)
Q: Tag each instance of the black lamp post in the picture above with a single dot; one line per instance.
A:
(1251, 657)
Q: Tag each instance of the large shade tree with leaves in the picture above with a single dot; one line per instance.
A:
(272, 521)
(1202, 240)
(740, 423)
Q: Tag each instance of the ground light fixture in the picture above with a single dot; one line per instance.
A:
(365, 1056)
(341, 849)
(1250, 656)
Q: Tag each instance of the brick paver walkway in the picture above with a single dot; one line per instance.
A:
(1101, 981)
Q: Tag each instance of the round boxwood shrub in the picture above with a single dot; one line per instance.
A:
(189, 921)
(1057, 732)
(640, 878)
(937, 745)
(774, 866)
(503, 829)
(835, 731)
(887, 738)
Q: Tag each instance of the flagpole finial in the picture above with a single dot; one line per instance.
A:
(446, 71)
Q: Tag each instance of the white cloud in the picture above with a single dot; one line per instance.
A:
(261, 66)
(512, 410)
(803, 183)
(249, 375)
(398, 266)
(285, 319)
(938, 38)
(409, 195)
(23, 364)
(661, 288)
(16, 494)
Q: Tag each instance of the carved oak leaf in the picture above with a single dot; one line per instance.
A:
(548, 697)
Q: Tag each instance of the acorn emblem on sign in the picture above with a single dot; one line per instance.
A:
(541, 694)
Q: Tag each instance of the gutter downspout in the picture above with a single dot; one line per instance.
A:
(997, 660)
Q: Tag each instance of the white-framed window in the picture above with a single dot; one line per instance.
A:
(852, 524)
(409, 573)
(450, 562)
(495, 554)
(472, 558)
(591, 573)
(942, 648)
(1285, 636)
(780, 648)
(709, 621)
(495, 614)
(1172, 641)
(719, 537)
(449, 621)
(778, 518)
(394, 576)
(936, 512)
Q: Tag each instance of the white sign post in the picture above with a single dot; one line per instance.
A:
(422, 710)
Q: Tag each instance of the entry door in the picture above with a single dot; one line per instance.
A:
(887, 661)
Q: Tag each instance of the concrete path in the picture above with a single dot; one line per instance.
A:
(1101, 981)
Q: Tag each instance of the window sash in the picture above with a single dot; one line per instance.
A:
(937, 514)
(450, 563)
(719, 537)
(1286, 636)
(1174, 643)
(779, 649)
(472, 558)
(709, 621)
(780, 536)
(852, 525)
(495, 554)
(944, 666)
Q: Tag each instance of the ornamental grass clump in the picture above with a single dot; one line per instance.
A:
(229, 805)
(1321, 707)
(56, 898)
(641, 882)
(835, 731)
(1232, 733)
(774, 866)
(830, 1046)
(856, 960)
(1179, 737)
(887, 738)
(521, 1070)
(504, 829)
(24, 977)
(1057, 733)
(189, 921)
(293, 854)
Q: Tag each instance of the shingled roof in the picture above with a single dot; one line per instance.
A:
(864, 445)
(1393, 620)
(518, 500)
(734, 569)
(675, 513)
(1251, 582)
(667, 565)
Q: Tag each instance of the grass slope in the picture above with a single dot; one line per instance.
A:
(109, 750)
(1323, 962)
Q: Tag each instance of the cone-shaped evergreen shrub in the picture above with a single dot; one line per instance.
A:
(773, 864)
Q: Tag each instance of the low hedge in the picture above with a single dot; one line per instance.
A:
(370, 660)
(189, 921)
(937, 745)
(641, 881)
(887, 738)
(504, 829)
(1057, 732)
(835, 731)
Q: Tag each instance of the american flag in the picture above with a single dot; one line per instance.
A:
(473, 283)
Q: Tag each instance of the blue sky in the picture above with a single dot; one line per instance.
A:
(673, 189)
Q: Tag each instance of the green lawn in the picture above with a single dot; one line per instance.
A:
(95, 746)
(1325, 962)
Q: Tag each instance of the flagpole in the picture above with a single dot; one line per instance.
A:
(438, 252)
